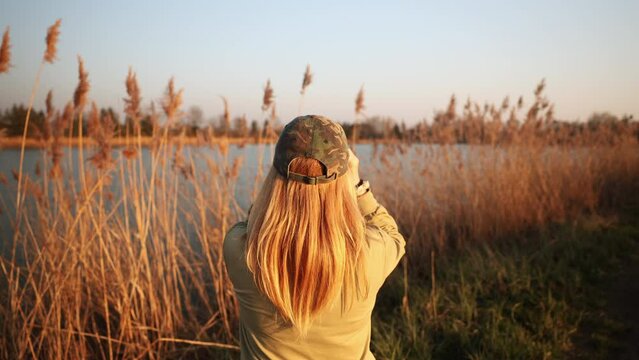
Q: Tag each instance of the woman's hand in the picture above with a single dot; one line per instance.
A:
(353, 167)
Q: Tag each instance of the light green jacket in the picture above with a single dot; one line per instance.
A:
(333, 335)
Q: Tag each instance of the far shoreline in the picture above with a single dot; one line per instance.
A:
(147, 141)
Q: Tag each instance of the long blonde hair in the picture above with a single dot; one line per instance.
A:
(305, 244)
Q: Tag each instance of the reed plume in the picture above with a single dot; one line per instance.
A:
(52, 42)
(540, 88)
(171, 106)
(267, 100)
(172, 101)
(308, 78)
(451, 111)
(359, 101)
(359, 108)
(505, 104)
(101, 130)
(306, 81)
(132, 107)
(550, 114)
(79, 100)
(49, 56)
(67, 117)
(226, 117)
(5, 52)
(81, 91)
(132, 110)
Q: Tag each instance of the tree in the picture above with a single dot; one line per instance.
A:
(12, 121)
(255, 129)
(146, 125)
(240, 126)
(194, 120)
(397, 133)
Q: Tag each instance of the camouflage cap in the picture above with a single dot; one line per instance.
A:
(315, 137)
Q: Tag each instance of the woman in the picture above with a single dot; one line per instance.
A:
(307, 265)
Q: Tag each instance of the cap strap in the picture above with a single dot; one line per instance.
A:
(311, 180)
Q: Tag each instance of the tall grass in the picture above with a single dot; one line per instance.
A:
(476, 194)
(120, 270)
(127, 262)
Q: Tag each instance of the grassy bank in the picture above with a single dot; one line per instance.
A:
(536, 296)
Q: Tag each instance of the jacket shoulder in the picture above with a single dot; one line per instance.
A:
(234, 238)
(238, 227)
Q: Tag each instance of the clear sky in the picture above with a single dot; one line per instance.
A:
(410, 55)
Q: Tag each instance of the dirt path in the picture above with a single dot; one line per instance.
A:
(623, 304)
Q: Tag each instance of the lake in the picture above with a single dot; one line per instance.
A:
(201, 156)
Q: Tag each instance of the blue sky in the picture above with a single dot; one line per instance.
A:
(410, 55)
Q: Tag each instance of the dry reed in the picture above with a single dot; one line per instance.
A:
(53, 33)
(226, 116)
(132, 107)
(359, 101)
(267, 99)
(101, 130)
(49, 56)
(5, 52)
(132, 110)
(172, 102)
(359, 108)
(82, 89)
(307, 80)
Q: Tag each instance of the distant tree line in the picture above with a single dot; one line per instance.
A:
(474, 125)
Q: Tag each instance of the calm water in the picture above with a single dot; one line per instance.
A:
(250, 154)
(34, 158)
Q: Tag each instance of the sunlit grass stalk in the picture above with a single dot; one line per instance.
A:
(79, 100)
(359, 108)
(306, 82)
(49, 56)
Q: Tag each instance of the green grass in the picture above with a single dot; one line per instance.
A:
(535, 297)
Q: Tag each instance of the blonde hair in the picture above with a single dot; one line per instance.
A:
(305, 244)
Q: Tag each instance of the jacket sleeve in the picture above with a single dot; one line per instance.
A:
(382, 232)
